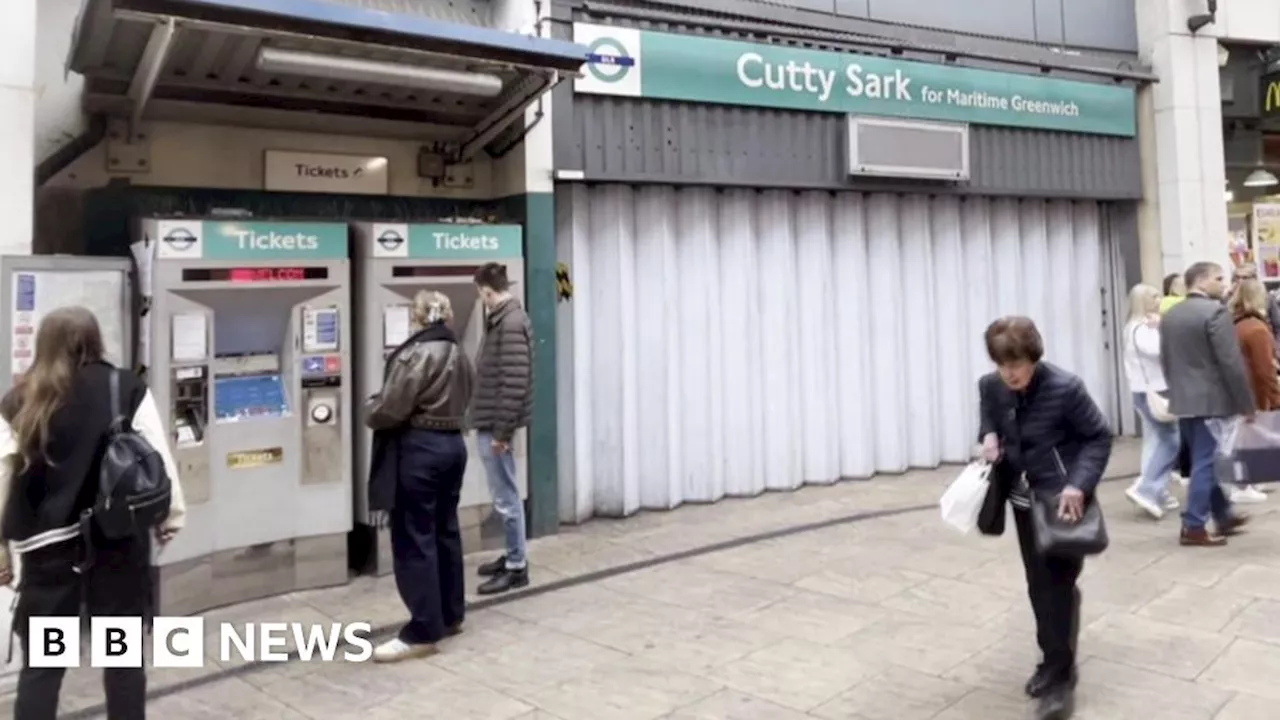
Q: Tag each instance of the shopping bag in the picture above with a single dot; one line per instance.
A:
(1253, 450)
(963, 499)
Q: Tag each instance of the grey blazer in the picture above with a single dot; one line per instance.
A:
(1202, 361)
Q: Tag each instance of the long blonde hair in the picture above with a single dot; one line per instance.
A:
(1143, 300)
(68, 339)
(1250, 298)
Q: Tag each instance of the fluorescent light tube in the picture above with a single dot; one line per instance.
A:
(334, 67)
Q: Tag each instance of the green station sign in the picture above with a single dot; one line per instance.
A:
(642, 63)
(241, 240)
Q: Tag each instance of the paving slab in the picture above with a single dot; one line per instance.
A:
(894, 617)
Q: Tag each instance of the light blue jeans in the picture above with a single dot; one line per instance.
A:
(500, 469)
(1161, 442)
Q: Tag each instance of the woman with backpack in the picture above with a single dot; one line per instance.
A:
(54, 425)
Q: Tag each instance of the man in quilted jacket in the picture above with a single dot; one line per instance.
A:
(502, 404)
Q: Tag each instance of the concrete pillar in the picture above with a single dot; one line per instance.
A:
(1184, 218)
(17, 124)
(523, 185)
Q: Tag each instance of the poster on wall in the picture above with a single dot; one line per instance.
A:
(36, 293)
(1266, 240)
(1238, 246)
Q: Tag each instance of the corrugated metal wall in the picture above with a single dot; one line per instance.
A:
(728, 342)
(617, 139)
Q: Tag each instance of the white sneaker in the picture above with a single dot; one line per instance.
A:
(1183, 481)
(1247, 494)
(1148, 506)
(396, 650)
(1171, 502)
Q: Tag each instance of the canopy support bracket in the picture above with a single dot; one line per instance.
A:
(148, 71)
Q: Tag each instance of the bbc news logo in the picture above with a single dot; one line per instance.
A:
(178, 642)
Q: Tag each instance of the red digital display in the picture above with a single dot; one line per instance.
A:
(267, 274)
(254, 274)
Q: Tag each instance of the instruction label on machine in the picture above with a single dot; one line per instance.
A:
(255, 458)
(395, 325)
(319, 330)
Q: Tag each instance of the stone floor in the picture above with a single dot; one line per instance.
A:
(892, 617)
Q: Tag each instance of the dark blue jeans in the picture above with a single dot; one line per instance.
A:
(426, 542)
(1205, 498)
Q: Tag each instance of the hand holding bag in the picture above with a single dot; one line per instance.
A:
(964, 498)
(1060, 538)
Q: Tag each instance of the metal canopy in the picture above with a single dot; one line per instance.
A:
(191, 54)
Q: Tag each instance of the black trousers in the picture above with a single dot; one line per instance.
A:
(1055, 600)
(117, 584)
(426, 541)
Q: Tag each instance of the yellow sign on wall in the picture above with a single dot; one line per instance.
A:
(254, 458)
(1271, 95)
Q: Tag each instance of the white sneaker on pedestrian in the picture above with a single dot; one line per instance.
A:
(1146, 505)
(1247, 494)
(395, 650)
(1171, 502)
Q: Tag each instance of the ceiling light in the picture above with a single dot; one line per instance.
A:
(333, 67)
(1260, 178)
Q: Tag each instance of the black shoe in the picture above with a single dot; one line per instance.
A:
(1043, 680)
(1058, 704)
(490, 569)
(505, 580)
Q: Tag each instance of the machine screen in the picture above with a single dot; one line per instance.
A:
(246, 397)
(255, 274)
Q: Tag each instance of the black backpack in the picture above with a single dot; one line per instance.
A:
(133, 488)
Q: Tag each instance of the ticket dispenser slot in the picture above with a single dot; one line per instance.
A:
(189, 394)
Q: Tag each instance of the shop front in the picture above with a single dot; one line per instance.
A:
(784, 253)
(1251, 141)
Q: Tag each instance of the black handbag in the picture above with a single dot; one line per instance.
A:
(991, 518)
(1057, 537)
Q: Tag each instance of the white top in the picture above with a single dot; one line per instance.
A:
(1142, 358)
(147, 423)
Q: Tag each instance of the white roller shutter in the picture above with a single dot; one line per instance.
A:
(728, 342)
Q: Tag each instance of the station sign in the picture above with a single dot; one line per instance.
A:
(448, 241)
(239, 240)
(642, 63)
(286, 171)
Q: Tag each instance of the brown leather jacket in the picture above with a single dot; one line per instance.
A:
(428, 386)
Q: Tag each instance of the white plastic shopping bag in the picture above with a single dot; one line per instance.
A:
(963, 499)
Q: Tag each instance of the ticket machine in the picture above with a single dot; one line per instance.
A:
(246, 339)
(393, 263)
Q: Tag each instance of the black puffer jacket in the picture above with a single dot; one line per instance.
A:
(1052, 431)
(504, 373)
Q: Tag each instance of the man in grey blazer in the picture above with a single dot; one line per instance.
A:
(1208, 386)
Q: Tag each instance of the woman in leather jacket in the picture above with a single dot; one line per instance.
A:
(418, 461)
